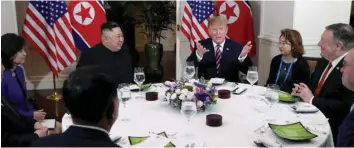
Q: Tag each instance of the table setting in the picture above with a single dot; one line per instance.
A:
(213, 113)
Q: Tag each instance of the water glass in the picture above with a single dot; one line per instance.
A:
(189, 70)
(252, 77)
(272, 94)
(188, 110)
(139, 78)
(124, 95)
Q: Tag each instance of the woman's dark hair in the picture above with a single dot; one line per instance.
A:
(295, 39)
(10, 44)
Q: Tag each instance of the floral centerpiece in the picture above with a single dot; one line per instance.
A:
(204, 94)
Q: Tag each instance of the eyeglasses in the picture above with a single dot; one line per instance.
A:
(283, 43)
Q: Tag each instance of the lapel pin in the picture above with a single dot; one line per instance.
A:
(227, 49)
(337, 68)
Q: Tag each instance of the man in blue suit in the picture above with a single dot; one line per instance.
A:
(218, 56)
(346, 130)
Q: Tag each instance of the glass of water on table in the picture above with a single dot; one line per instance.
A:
(139, 78)
(124, 95)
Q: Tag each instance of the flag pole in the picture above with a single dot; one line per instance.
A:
(55, 96)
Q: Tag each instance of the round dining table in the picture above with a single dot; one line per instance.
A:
(244, 120)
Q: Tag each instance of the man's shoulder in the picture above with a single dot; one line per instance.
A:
(52, 140)
(232, 43)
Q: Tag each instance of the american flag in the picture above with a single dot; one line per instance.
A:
(197, 14)
(47, 28)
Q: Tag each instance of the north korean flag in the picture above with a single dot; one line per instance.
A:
(86, 18)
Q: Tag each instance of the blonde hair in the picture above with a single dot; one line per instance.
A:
(217, 19)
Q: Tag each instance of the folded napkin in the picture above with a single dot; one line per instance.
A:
(217, 80)
(305, 108)
(267, 142)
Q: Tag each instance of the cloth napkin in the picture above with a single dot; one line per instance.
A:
(268, 143)
(305, 108)
(217, 80)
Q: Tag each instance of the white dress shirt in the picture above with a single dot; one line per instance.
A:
(91, 127)
(334, 65)
(241, 59)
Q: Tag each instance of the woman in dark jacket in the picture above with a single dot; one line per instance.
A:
(289, 67)
(13, 85)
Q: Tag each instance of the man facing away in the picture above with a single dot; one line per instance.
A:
(111, 53)
(91, 98)
(346, 130)
(326, 90)
(218, 56)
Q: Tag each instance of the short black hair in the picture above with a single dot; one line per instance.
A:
(10, 44)
(89, 93)
(109, 26)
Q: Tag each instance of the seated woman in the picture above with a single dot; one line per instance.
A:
(13, 85)
(16, 130)
(289, 66)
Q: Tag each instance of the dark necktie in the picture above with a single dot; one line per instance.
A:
(218, 58)
(321, 82)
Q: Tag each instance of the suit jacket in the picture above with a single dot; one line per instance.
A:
(14, 89)
(229, 63)
(119, 64)
(76, 137)
(334, 99)
(16, 130)
(300, 72)
(346, 132)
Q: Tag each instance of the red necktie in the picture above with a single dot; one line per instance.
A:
(218, 57)
(321, 82)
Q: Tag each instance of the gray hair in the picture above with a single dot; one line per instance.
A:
(343, 33)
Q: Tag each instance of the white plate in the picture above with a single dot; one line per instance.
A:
(217, 81)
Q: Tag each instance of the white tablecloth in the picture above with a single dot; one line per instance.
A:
(241, 117)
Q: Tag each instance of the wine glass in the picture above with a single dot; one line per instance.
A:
(189, 70)
(139, 78)
(124, 95)
(189, 110)
(252, 77)
(272, 94)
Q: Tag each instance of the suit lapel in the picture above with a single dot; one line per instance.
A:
(333, 79)
(211, 52)
(316, 76)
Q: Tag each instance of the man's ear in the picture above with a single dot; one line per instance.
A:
(339, 46)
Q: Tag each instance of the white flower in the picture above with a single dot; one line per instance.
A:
(200, 104)
(174, 96)
(182, 97)
(185, 91)
(178, 91)
(167, 83)
(190, 95)
(168, 95)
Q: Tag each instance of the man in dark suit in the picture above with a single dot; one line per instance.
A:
(91, 98)
(346, 130)
(112, 53)
(326, 90)
(218, 56)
